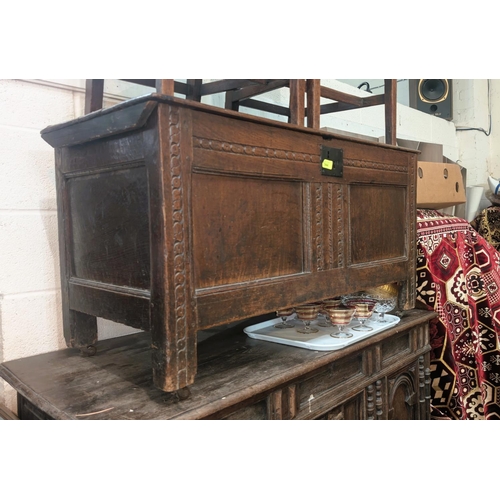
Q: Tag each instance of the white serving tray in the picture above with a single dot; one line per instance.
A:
(321, 341)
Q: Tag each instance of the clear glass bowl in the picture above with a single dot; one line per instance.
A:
(380, 305)
(359, 298)
(384, 305)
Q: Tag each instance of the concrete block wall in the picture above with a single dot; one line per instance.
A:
(470, 109)
(30, 301)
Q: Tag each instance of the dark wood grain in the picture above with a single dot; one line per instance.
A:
(297, 101)
(79, 329)
(227, 245)
(94, 91)
(238, 377)
(255, 90)
(390, 100)
(126, 118)
(209, 216)
(104, 205)
(194, 89)
(313, 112)
(263, 106)
(165, 87)
(364, 102)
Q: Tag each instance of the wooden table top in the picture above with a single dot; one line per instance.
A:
(117, 383)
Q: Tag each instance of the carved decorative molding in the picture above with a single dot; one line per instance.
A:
(340, 225)
(412, 271)
(320, 258)
(179, 237)
(245, 149)
(330, 226)
(282, 404)
(375, 165)
(378, 398)
(370, 406)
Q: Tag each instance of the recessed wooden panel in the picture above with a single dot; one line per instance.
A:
(245, 229)
(110, 227)
(377, 223)
(394, 348)
(258, 411)
(317, 391)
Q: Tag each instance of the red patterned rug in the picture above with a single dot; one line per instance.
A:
(458, 276)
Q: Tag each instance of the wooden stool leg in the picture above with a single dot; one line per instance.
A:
(230, 103)
(94, 91)
(165, 87)
(194, 90)
(390, 101)
(297, 101)
(313, 102)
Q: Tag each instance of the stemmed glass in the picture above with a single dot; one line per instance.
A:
(283, 314)
(325, 306)
(384, 305)
(363, 312)
(341, 318)
(322, 316)
(307, 313)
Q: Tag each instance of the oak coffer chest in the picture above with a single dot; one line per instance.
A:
(175, 216)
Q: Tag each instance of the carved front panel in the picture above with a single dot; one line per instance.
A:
(245, 229)
(256, 411)
(354, 409)
(403, 397)
(318, 393)
(377, 218)
(396, 347)
(269, 230)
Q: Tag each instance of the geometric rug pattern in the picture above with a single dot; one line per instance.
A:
(458, 277)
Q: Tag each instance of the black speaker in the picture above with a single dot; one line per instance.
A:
(432, 96)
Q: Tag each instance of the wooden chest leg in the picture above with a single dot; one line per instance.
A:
(173, 308)
(174, 360)
(80, 330)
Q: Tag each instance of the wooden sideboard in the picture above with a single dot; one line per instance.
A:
(175, 217)
(385, 376)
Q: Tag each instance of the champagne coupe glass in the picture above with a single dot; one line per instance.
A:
(307, 313)
(325, 305)
(384, 305)
(322, 316)
(341, 317)
(363, 312)
(283, 314)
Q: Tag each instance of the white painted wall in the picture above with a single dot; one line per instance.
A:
(30, 301)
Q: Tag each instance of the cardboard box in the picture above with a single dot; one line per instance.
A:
(440, 181)
(439, 185)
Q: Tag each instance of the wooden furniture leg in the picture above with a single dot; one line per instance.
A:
(390, 102)
(313, 100)
(172, 311)
(165, 87)
(94, 90)
(194, 90)
(297, 102)
(80, 329)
